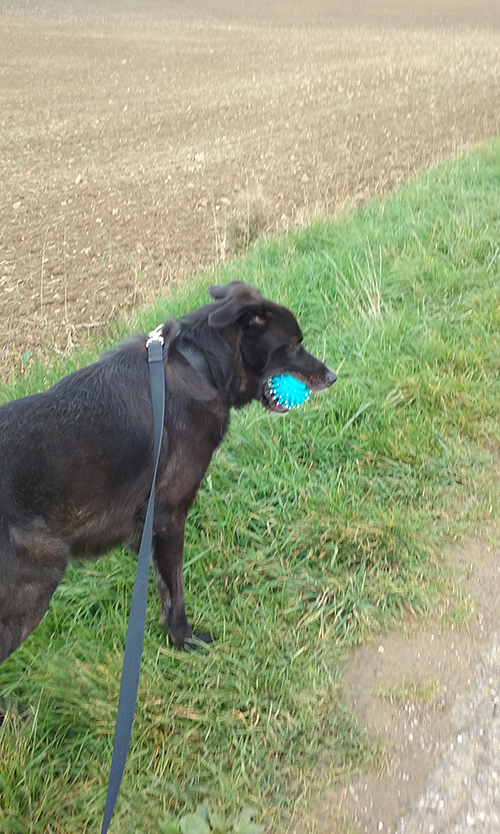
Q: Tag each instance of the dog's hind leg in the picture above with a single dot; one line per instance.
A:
(32, 564)
(24, 610)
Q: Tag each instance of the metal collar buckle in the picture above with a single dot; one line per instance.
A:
(156, 335)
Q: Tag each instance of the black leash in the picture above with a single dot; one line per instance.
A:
(137, 619)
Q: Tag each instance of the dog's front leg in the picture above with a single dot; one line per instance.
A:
(168, 556)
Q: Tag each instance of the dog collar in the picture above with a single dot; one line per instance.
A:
(196, 359)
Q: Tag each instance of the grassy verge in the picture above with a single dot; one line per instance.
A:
(309, 533)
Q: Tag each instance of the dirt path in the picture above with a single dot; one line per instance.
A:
(142, 140)
(432, 697)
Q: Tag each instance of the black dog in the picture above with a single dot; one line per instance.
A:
(76, 461)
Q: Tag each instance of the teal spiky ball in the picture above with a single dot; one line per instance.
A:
(288, 392)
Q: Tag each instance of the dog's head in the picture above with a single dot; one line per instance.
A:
(269, 343)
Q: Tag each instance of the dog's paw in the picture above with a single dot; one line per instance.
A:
(198, 642)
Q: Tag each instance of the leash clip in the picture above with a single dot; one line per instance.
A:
(156, 335)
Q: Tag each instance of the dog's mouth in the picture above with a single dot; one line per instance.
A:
(282, 393)
(269, 401)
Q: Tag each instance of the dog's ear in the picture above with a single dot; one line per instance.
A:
(226, 290)
(237, 299)
(235, 289)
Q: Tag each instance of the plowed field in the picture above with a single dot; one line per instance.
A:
(140, 142)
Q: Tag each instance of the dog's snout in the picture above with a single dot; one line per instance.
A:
(330, 377)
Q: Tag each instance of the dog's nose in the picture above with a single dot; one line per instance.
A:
(330, 377)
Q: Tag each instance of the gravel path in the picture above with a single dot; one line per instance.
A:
(431, 696)
(462, 794)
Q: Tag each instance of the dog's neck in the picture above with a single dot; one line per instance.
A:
(196, 359)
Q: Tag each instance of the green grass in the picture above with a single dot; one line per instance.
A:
(309, 534)
(411, 690)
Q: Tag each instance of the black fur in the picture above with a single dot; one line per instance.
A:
(76, 460)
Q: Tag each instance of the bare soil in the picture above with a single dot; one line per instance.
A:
(143, 141)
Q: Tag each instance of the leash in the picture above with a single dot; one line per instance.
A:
(137, 619)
